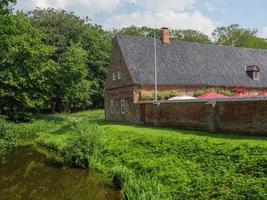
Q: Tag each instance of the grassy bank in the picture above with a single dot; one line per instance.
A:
(155, 163)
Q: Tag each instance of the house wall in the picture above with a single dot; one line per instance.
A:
(120, 89)
(117, 63)
(131, 109)
(239, 117)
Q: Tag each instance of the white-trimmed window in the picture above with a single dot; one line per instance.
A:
(119, 75)
(256, 75)
(123, 109)
(111, 106)
(114, 76)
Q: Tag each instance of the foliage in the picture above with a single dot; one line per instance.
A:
(71, 88)
(183, 35)
(158, 163)
(190, 36)
(201, 91)
(162, 95)
(65, 29)
(234, 35)
(81, 146)
(5, 6)
(166, 95)
(137, 31)
(7, 139)
(26, 71)
(147, 97)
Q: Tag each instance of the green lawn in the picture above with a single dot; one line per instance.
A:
(155, 163)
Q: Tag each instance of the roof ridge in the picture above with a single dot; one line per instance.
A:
(198, 43)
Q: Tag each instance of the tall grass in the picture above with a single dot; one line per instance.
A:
(7, 139)
(85, 142)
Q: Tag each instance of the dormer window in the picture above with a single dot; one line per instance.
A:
(253, 71)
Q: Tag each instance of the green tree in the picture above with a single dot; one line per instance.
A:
(190, 36)
(5, 6)
(64, 29)
(234, 35)
(71, 87)
(137, 31)
(26, 71)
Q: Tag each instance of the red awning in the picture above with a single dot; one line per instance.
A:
(212, 96)
(263, 93)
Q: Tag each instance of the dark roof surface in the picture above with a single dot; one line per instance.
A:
(187, 63)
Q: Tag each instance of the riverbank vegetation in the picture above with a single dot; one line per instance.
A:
(55, 61)
(154, 163)
(7, 138)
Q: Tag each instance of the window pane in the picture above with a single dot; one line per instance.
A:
(114, 76)
(111, 106)
(122, 106)
(119, 75)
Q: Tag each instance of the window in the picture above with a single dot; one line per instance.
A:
(111, 106)
(256, 75)
(114, 76)
(119, 75)
(253, 71)
(122, 106)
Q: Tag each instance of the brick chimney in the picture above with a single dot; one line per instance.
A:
(165, 35)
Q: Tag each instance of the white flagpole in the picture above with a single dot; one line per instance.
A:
(155, 66)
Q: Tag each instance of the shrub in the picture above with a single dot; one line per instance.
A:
(202, 91)
(165, 95)
(82, 145)
(7, 140)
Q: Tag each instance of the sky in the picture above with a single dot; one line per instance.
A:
(201, 15)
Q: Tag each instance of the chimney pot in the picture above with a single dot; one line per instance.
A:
(165, 35)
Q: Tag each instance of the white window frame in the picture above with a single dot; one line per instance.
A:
(118, 74)
(111, 106)
(114, 76)
(123, 106)
(256, 75)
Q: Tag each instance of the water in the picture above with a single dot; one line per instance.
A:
(27, 174)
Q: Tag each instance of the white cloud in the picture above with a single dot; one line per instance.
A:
(158, 5)
(181, 14)
(263, 32)
(171, 18)
(209, 6)
(82, 7)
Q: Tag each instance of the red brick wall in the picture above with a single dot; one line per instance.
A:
(132, 110)
(181, 115)
(242, 117)
(238, 117)
(117, 63)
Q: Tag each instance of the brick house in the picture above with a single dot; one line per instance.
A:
(182, 67)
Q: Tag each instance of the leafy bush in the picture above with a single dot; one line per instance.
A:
(202, 91)
(165, 95)
(7, 140)
(85, 142)
(147, 98)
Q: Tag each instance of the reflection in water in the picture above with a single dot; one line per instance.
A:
(28, 175)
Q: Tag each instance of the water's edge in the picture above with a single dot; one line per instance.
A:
(35, 173)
